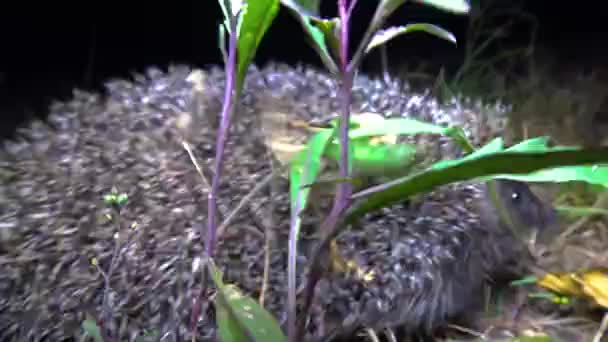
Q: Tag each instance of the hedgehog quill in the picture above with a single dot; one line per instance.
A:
(430, 256)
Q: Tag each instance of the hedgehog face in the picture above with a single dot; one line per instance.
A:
(527, 211)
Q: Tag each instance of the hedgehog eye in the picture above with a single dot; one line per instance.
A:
(515, 196)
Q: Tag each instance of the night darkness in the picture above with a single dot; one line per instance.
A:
(47, 50)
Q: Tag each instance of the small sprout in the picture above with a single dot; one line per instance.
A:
(555, 298)
(94, 261)
(115, 199)
(109, 199)
(134, 225)
(562, 300)
(122, 199)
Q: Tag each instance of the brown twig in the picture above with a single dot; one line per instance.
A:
(600, 203)
(269, 233)
(245, 200)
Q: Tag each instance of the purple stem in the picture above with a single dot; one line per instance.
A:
(222, 137)
(342, 198)
(219, 161)
(344, 188)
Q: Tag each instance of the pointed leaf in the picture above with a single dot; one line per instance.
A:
(222, 42)
(383, 11)
(390, 6)
(454, 6)
(595, 174)
(307, 11)
(240, 318)
(224, 4)
(256, 19)
(383, 36)
(304, 171)
(370, 124)
(472, 167)
(306, 8)
(331, 33)
(592, 174)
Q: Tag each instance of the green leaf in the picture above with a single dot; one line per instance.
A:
(383, 11)
(592, 174)
(474, 166)
(226, 13)
(375, 160)
(147, 334)
(256, 19)
(544, 338)
(383, 36)
(307, 11)
(330, 28)
(92, 329)
(370, 124)
(307, 8)
(454, 6)
(389, 6)
(495, 145)
(239, 317)
(222, 42)
(304, 170)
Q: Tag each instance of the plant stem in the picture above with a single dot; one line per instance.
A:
(222, 137)
(344, 189)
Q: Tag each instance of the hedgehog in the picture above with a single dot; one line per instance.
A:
(58, 239)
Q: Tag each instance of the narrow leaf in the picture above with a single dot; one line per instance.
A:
(225, 10)
(330, 30)
(471, 167)
(390, 6)
(240, 318)
(370, 124)
(222, 42)
(305, 8)
(307, 11)
(383, 36)
(304, 170)
(454, 6)
(256, 20)
(592, 174)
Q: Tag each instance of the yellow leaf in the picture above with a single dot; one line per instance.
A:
(561, 283)
(594, 284)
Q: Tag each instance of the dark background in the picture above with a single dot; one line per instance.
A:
(47, 49)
